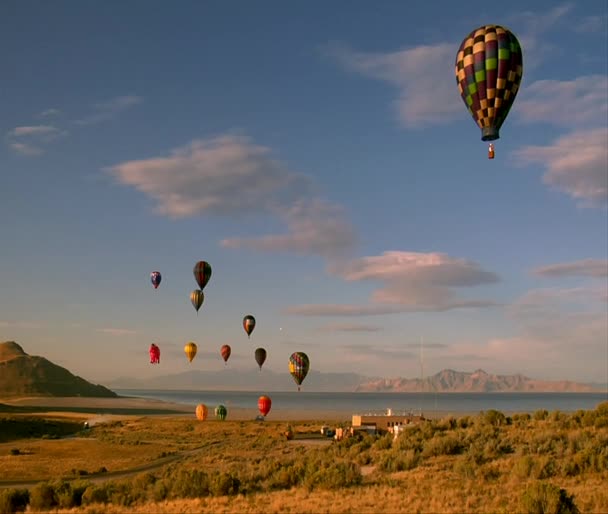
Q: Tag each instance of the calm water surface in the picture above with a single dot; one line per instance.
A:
(363, 403)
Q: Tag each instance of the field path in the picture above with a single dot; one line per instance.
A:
(110, 475)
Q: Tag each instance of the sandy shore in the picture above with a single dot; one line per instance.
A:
(111, 408)
(120, 407)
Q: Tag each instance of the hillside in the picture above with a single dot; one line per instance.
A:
(450, 381)
(27, 375)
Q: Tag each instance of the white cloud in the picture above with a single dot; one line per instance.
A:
(576, 164)
(410, 282)
(581, 101)
(33, 130)
(424, 76)
(109, 109)
(229, 175)
(315, 227)
(586, 267)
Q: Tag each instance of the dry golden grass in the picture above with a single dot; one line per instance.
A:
(257, 453)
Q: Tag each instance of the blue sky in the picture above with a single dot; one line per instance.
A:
(318, 155)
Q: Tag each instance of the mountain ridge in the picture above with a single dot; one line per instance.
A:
(31, 375)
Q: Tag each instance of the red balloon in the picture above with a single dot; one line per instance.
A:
(154, 354)
(264, 404)
(225, 352)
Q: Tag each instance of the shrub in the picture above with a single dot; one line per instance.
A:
(15, 451)
(43, 497)
(495, 418)
(541, 414)
(398, 461)
(14, 500)
(545, 498)
(444, 445)
(94, 494)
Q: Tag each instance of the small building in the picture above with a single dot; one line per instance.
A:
(386, 422)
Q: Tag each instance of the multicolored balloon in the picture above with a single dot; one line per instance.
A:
(155, 278)
(190, 350)
(489, 68)
(154, 354)
(264, 404)
(221, 412)
(299, 364)
(225, 352)
(201, 412)
(260, 356)
(202, 273)
(249, 324)
(197, 297)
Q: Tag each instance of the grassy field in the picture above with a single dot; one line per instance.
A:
(544, 463)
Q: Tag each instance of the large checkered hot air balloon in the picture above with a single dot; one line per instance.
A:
(489, 67)
(299, 364)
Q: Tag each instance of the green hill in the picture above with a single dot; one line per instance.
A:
(29, 375)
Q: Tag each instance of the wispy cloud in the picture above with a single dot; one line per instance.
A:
(575, 164)
(109, 109)
(582, 101)
(377, 352)
(117, 331)
(423, 76)
(585, 268)
(348, 327)
(19, 324)
(47, 113)
(25, 148)
(410, 281)
(30, 139)
(231, 176)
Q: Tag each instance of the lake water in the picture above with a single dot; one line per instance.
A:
(364, 403)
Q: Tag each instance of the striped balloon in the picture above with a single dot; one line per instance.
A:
(225, 352)
(202, 273)
(299, 364)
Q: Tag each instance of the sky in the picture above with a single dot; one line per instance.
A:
(318, 155)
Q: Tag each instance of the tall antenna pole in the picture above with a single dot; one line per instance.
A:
(421, 371)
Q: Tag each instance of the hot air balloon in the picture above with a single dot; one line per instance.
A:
(249, 324)
(154, 354)
(197, 297)
(225, 352)
(299, 364)
(260, 356)
(202, 273)
(264, 404)
(221, 412)
(489, 68)
(155, 278)
(201, 411)
(190, 350)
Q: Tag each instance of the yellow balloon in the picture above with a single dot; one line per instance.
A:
(190, 350)
(201, 412)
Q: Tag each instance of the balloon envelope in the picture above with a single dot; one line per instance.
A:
(154, 354)
(155, 278)
(201, 411)
(202, 273)
(260, 356)
(299, 364)
(489, 68)
(225, 352)
(197, 297)
(249, 324)
(190, 350)
(264, 404)
(221, 412)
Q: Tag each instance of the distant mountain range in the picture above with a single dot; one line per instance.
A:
(445, 381)
(27, 375)
(243, 380)
(450, 381)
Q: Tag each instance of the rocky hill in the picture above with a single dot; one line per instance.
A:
(448, 381)
(29, 375)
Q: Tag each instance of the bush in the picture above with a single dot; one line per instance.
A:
(14, 500)
(94, 494)
(15, 451)
(43, 497)
(544, 498)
